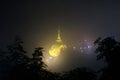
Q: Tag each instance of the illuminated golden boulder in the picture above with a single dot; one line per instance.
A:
(56, 50)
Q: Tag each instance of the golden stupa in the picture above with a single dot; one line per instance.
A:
(56, 49)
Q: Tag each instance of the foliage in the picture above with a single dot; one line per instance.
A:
(79, 74)
(19, 66)
(109, 49)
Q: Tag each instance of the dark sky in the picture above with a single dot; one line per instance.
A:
(37, 21)
(31, 18)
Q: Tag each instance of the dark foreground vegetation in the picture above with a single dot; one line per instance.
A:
(16, 65)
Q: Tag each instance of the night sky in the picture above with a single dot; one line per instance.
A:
(37, 21)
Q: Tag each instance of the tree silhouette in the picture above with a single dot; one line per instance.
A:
(36, 67)
(20, 67)
(14, 58)
(109, 49)
(16, 52)
(37, 58)
(79, 74)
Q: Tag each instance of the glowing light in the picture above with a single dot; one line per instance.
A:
(89, 47)
(59, 38)
(57, 48)
(50, 57)
(74, 47)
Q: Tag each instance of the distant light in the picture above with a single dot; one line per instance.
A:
(89, 47)
(85, 40)
(50, 57)
(74, 47)
(81, 48)
(46, 60)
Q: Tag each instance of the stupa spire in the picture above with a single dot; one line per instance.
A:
(59, 37)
